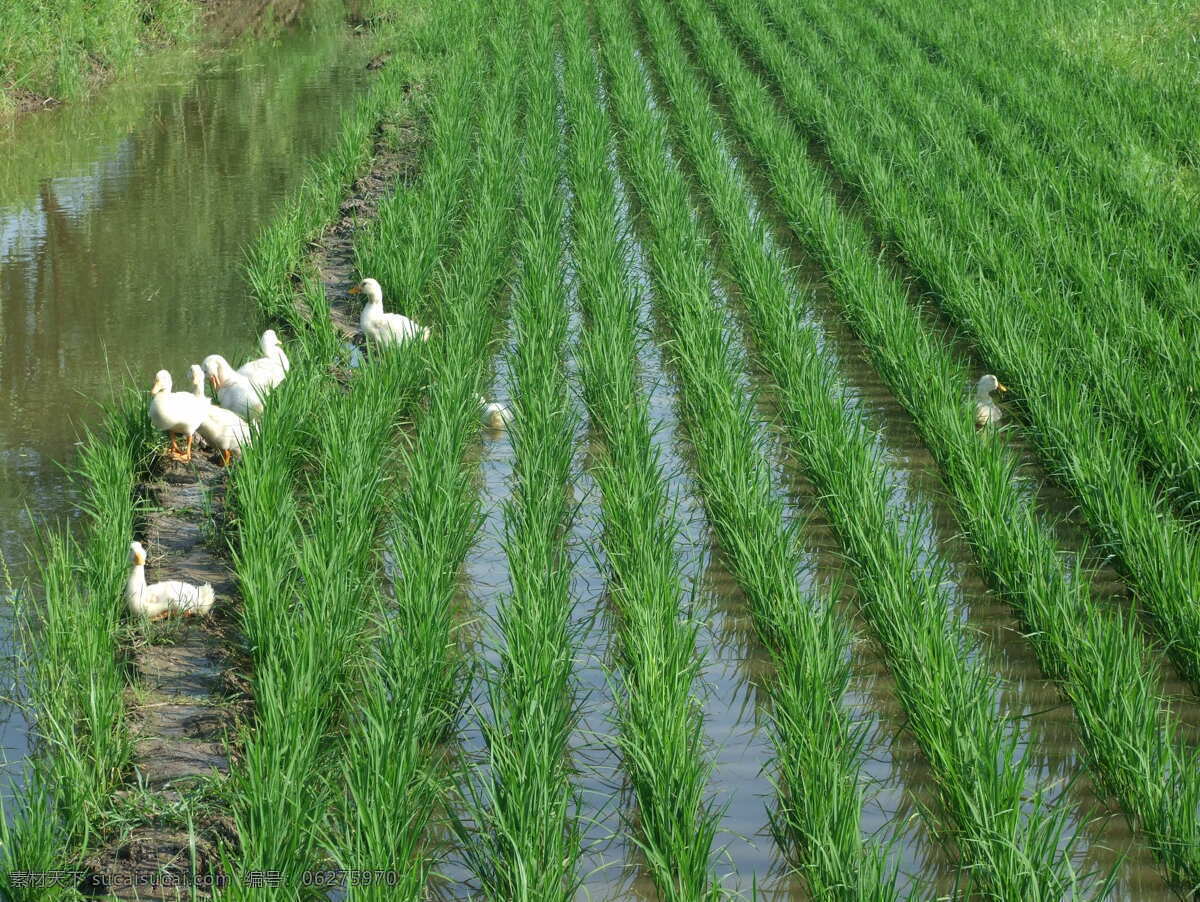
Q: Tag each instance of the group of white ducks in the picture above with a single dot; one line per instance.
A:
(226, 426)
(239, 392)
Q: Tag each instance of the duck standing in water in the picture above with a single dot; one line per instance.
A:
(987, 411)
(495, 414)
(384, 328)
(177, 413)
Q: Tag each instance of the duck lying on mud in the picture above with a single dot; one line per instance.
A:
(161, 599)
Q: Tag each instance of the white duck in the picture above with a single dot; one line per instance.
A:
(267, 371)
(987, 411)
(380, 327)
(495, 414)
(177, 413)
(270, 346)
(234, 390)
(223, 429)
(161, 599)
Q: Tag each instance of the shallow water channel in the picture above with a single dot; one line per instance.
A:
(123, 228)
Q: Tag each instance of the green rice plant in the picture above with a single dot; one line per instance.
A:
(526, 839)
(1140, 366)
(817, 748)
(1138, 146)
(70, 643)
(424, 228)
(659, 719)
(1159, 556)
(308, 498)
(947, 694)
(1116, 180)
(1098, 659)
(60, 49)
(77, 675)
(394, 766)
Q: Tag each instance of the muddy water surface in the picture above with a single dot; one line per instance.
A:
(123, 224)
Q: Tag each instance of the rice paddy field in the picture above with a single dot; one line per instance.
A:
(743, 602)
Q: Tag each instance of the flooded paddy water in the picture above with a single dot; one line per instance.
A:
(123, 225)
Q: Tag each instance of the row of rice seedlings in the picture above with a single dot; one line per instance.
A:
(1112, 257)
(70, 646)
(1012, 853)
(1098, 659)
(394, 769)
(1151, 287)
(525, 843)
(1131, 146)
(1114, 185)
(659, 721)
(1158, 100)
(307, 497)
(305, 562)
(818, 750)
(1151, 388)
(1157, 553)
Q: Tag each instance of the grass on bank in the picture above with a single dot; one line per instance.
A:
(58, 49)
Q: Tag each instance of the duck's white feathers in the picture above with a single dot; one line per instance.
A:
(234, 390)
(177, 412)
(158, 599)
(222, 429)
(270, 346)
(385, 328)
(987, 411)
(495, 414)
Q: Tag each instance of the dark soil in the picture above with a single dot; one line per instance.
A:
(184, 702)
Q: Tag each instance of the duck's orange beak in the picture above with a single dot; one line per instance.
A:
(1001, 387)
(355, 290)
